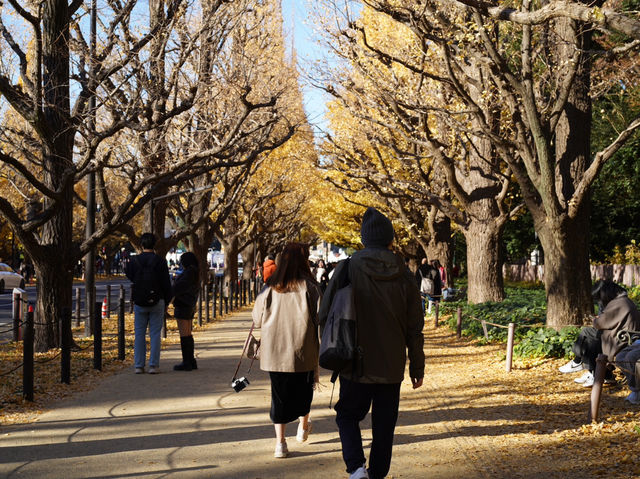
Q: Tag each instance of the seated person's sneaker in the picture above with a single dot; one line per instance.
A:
(571, 367)
(587, 376)
(633, 398)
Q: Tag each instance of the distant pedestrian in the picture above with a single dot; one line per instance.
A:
(286, 311)
(389, 324)
(185, 297)
(268, 267)
(151, 293)
(429, 284)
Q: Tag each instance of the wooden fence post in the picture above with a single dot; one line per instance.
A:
(437, 313)
(459, 323)
(510, 335)
(596, 389)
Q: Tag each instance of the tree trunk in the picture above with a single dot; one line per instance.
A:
(55, 258)
(567, 277)
(484, 264)
(230, 262)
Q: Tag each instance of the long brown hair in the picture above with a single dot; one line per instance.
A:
(292, 268)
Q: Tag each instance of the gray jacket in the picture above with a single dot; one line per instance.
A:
(389, 316)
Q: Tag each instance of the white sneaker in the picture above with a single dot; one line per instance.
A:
(633, 398)
(360, 473)
(281, 450)
(154, 370)
(303, 434)
(571, 367)
(586, 379)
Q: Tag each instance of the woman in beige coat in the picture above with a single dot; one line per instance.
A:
(286, 311)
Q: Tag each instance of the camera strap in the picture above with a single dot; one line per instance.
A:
(244, 350)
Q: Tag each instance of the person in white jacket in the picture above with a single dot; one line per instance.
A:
(286, 311)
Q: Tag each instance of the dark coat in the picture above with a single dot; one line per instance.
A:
(621, 313)
(186, 288)
(160, 268)
(389, 316)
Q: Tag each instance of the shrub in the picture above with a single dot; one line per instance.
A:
(547, 342)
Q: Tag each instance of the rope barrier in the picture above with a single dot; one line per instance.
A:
(6, 373)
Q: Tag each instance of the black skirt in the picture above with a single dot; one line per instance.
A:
(291, 395)
(183, 312)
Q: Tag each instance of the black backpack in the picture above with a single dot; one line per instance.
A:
(338, 347)
(146, 283)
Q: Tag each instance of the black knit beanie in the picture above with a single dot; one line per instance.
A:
(376, 230)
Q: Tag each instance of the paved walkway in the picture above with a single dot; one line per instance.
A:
(193, 425)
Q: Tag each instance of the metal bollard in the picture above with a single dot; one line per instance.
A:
(97, 336)
(510, 335)
(437, 313)
(108, 300)
(65, 350)
(596, 389)
(78, 307)
(200, 306)
(206, 303)
(27, 357)
(459, 323)
(213, 301)
(17, 316)
(121, 344)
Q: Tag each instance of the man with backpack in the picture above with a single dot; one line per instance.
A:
(151, 293)
(389, 324)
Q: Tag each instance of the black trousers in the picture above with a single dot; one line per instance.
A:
(355, 401)
(588, 346)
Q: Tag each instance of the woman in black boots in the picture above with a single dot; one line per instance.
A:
(185, 296)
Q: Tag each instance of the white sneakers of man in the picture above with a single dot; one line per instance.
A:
(586, 379)
(281, 450)
(360, 473)
(633, 398)
(571, 367)
(303, 434)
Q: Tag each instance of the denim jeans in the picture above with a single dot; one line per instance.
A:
(352, 407)
(153, 317)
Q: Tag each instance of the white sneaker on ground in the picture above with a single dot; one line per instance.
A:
(586, 379)
(139, 370)
(633, 398)
(154, 370)
(360, 473)
(571, 367)
(303, 434)
(281, 450)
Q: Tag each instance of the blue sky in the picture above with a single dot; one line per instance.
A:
(296, 15)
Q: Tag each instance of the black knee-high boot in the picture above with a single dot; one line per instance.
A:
(192, 357)
(187, 353)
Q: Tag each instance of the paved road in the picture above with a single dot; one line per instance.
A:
(193, 425)
(6, 311)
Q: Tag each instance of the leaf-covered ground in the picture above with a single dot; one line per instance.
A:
(529, 423)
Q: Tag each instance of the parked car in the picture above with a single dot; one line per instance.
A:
(9, 279)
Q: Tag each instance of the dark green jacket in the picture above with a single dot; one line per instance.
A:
(389, 316)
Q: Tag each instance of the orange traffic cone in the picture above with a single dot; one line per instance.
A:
(104, 308)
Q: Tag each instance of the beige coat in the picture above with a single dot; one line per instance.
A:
(289, 328)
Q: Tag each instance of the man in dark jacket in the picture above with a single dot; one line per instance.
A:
(151, 294)
(389, 323)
